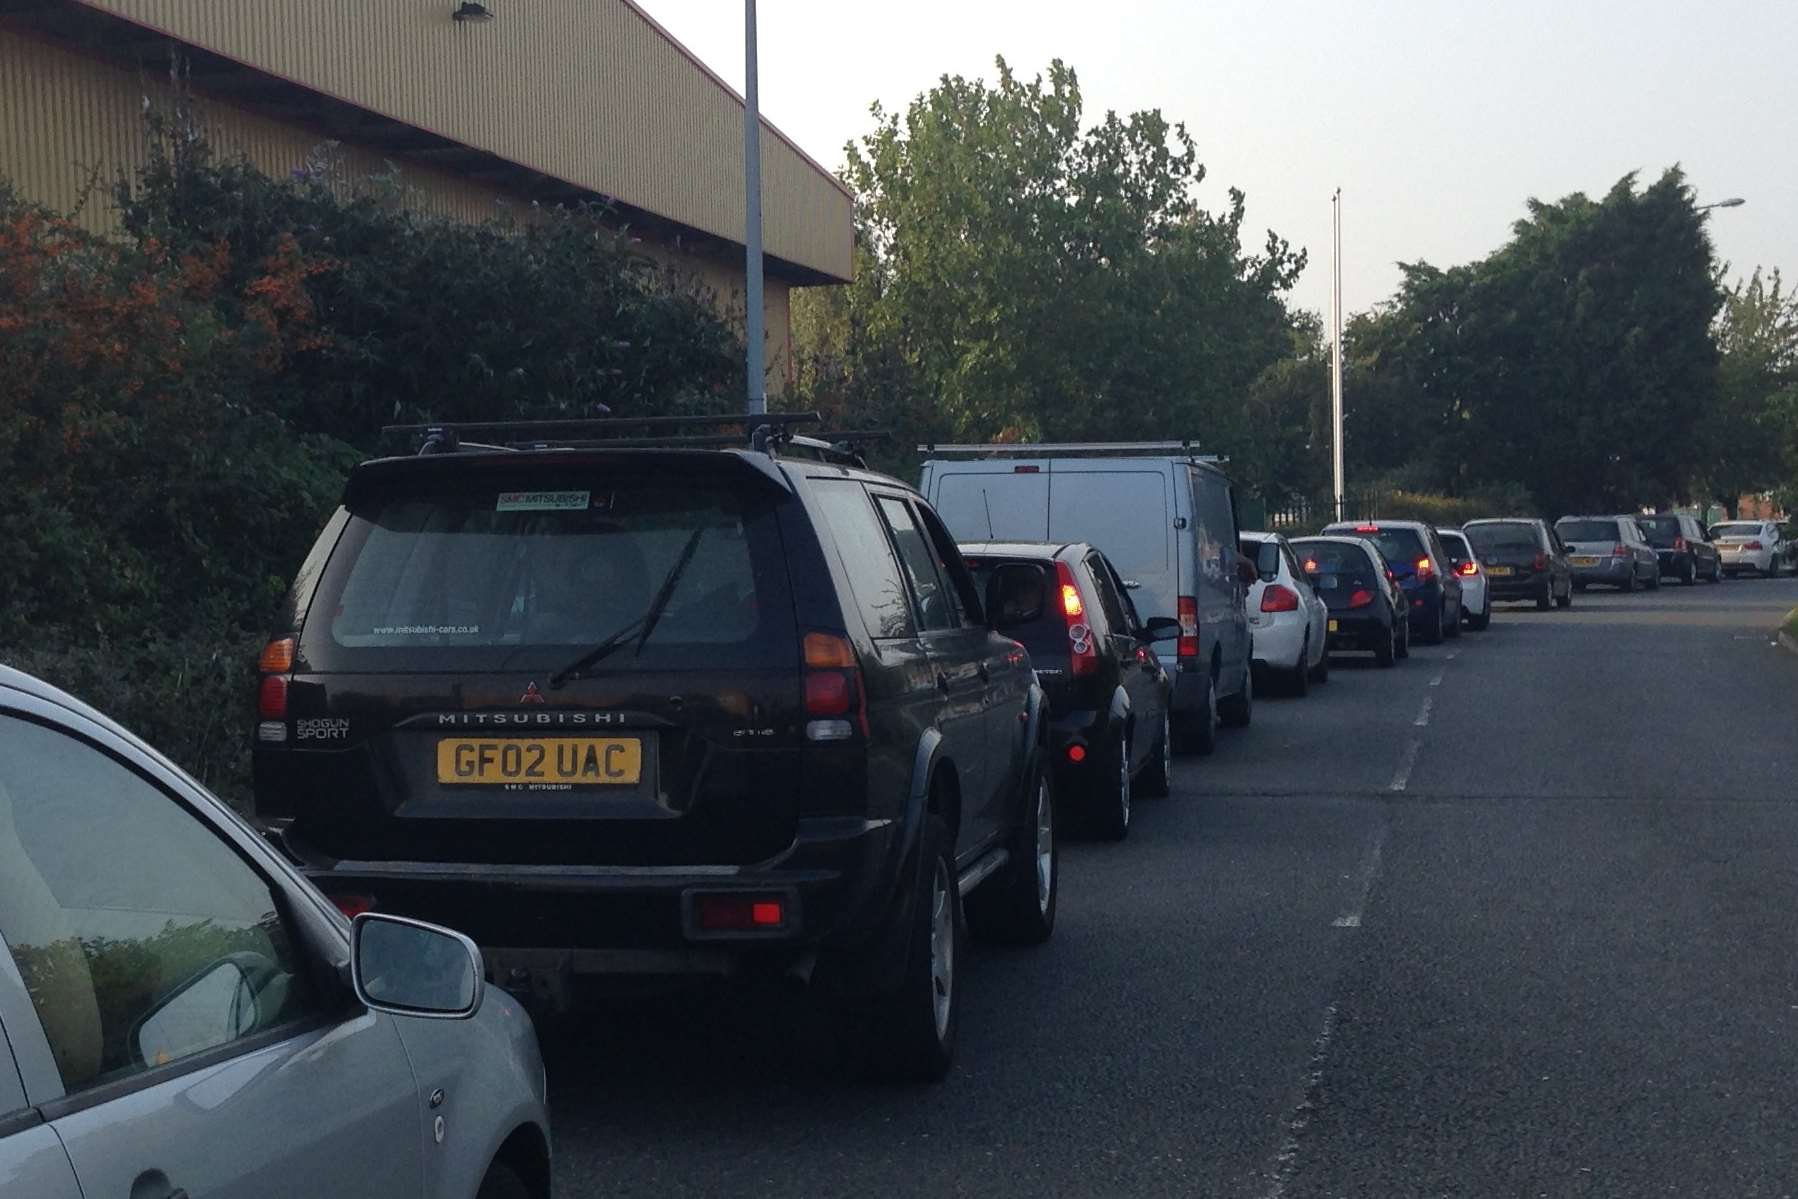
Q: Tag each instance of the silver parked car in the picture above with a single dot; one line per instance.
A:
(187, 1016)
(1609, 550)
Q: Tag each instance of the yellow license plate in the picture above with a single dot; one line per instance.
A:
(1498, 572)
(542, 761)
(1332, 626)
(1583, 561)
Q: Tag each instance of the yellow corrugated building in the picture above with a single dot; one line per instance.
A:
(532, 100)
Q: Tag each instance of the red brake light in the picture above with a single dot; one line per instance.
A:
(827, 693)
(1080, 635)
(1026, 470)
(1360, 599)
(271, 698)
(1279, 598)
(1754, 545)
(1367, 528)
(1620, 550)
(1469, 568)
(1541, 561)
(833, 679)
(1679, 545)
(1188, 643)
(1426, 569)
(1310, 566)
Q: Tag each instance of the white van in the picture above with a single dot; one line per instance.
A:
(1165, 516)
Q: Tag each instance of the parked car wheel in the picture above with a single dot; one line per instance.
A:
(1321, 672)
(1018, 907)
(1479, 623)
(1565, 600)
(1158, 774)
(502, 1182)
(1198, 732)
(1404, 639)
(1688, 573)
(1111, 810)
(1387, 654)
(1654, 580)
(1237, 711)
(1717, 571)
(908, 1034)
(1452, 629)
(1298, 681)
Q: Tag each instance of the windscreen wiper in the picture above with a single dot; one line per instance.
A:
(646, 622)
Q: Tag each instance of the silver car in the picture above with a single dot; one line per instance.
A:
(187, 1016)
(1756, 545)
(1610, 550)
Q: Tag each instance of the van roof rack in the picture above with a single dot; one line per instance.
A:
(1085, 449)
(764, 431)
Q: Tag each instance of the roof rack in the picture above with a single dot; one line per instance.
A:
(764, 430)
(1087, 449)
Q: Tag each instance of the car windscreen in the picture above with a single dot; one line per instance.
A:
(1503, 537)
(1660, 530)
(1588, 530)
(1332, 565)
(1736, 529)
(1401, 547)
(525, 573)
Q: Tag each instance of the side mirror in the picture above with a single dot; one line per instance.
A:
(1015, 595)
(1159, 628)
(410, 968)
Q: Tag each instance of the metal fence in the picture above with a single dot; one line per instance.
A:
(1310, 515)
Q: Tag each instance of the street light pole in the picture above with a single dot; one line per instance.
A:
(757, 398)
(1732, 202)
(1336, 349)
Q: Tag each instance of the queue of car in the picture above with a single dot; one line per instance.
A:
(686, 708)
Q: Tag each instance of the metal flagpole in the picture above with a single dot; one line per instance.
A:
(1336, 349)
(752, 224)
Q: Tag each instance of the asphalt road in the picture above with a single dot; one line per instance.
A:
(1515, 918)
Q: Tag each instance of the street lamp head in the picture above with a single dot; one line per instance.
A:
(1732, 202)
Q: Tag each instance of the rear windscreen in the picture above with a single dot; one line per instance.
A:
(1660, 530)
(1505, 537)
(507, 576)
(1735, 530)
(1046, 637)
(1456, 545)
(1330, 564)
(1588, 530)
(1400, 547)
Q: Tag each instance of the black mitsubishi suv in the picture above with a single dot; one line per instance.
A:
(631, 711)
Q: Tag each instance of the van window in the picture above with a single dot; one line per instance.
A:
(1122, 512)
(995, 505)
(867, 558)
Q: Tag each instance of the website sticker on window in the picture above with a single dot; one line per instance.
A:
(543, 501)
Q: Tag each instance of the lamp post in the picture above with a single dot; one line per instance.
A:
(1336, 350)
(757, 397)
(1732, 202)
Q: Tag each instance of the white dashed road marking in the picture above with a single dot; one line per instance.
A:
(1423, 717)
(1287, 1160)
(1402, 778)
(1370, 870)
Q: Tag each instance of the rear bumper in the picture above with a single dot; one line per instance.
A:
(1615, 571)
(1518, 587)
(1357, 632)
(1761, 562)
(836, 882)
(1279, 641)
(1676, 562)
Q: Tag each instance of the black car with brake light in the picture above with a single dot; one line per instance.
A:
(1369, 612)
(638, 702)
(1683, 546)
(1110, 699)
(1420, 563)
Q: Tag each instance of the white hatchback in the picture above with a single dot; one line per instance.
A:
(1287, 619)
(1476, 596)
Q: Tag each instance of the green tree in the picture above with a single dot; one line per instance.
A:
(1751, 437)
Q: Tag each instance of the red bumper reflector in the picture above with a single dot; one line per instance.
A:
(741, 913)
(1076, 753)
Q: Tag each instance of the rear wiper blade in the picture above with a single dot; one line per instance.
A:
(646, 622)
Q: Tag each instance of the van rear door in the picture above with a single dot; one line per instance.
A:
(991, 500)
(1125, 509)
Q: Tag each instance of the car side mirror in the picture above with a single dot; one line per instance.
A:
(1015, 595)
(1159, 628)
(410, 968)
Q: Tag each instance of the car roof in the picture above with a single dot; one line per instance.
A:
(35, 688)
(1503, 520)
(1260, 536)
(1018, 549)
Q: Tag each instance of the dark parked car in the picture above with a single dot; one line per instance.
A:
(1682, 545)
(636, 715)
(1524, 560)
(1368, 609)
(1420, 563)
(1109, 697)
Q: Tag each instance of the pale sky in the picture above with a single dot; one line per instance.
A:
(1436, 119)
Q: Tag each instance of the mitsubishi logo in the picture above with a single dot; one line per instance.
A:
(531, 695)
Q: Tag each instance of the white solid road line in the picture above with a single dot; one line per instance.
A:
(1402, 779)
(1423, 717)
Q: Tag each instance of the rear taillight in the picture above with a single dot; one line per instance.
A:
(1679, 545)
(1541, 562)
(834, 701)
(1426, 569)
(1080, 634)
(1360, 599)
(1754, 545)
(1620, 550)
(1188, 644)
(276, 667)
(1279, 598)
(1468, 568)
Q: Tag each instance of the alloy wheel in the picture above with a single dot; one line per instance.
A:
(1045, 845)
(942, 948)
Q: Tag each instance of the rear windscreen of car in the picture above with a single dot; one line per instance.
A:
(1047, 636)
(1401, 547)
(1588, 530)
(1736, 530)
(1660, 530)
(1505, 537)
(527, 573)
(1456, 545)
(1331, 565)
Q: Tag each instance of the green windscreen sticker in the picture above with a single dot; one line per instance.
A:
(542, 501)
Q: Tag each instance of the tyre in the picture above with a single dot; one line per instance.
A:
(1480, 623)
(1436, 633)
(1566, 600)
(1404, 639)
(1654, 580)
(1629, 584)
(502, 1182)
(1197, 732)
(1236, 711)
(1017, 905)
(1387, 655)
(1546, 599)
(1111, 808)
(1717, 571)
(1453, 628)
(908, 1033)
(1579, 584)
(1158, 773)
(1689, 574)
(1321, 673)
(1298, 682)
